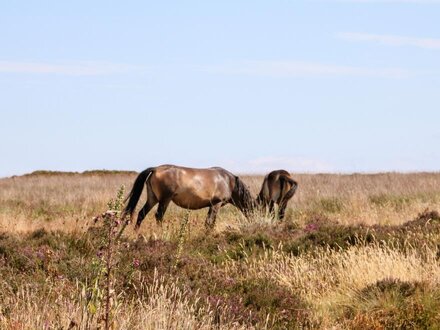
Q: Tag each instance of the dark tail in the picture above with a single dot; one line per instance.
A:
(289, 194)
(136, 191)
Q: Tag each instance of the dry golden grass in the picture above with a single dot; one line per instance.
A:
(159, 306)
(55, 201)
(329, 279)
(65, 201)
(389, 198)
(331, 282)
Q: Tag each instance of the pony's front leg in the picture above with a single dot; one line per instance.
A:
(161, 209)
(212, 214)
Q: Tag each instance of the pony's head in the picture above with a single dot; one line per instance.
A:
(242, 198)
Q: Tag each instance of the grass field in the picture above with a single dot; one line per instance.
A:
(354, 252)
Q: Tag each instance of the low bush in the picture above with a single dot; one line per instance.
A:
(391, 303)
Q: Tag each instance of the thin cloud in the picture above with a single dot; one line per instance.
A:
(295, 164)
(70, 69)
(391, 40)
(303, 69)
(388, 1)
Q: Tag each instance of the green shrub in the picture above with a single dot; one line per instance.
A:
(333, 236)
(265, 296)
(398, 202)
(330, 205)
(394, 304)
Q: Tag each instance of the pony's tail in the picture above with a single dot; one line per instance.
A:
(136, 191)
(286, 195)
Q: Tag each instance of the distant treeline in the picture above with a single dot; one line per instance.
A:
(89, 172)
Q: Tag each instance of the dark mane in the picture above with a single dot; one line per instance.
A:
(242, 197)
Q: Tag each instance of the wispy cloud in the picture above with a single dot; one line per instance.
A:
(391, 40)
(301, 69)
(388, 1)
(70, 69)
(295, 164)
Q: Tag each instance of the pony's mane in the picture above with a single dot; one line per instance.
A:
(245, 200)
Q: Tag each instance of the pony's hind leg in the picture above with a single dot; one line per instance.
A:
(151, 202)
(282, 211)
(271, 206)
(212, 215)
(161, 209)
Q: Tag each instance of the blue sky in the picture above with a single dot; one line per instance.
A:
(309, 86)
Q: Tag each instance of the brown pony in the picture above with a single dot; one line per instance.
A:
(278, 187)
(189, 188)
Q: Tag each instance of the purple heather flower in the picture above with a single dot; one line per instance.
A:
(311, 227)
(40, 255)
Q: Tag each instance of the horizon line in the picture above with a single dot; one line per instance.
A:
(119, 171)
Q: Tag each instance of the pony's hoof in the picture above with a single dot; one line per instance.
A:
(209, 228)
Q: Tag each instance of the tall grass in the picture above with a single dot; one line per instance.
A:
(345, 257)
(66, 201)
(158, 305)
